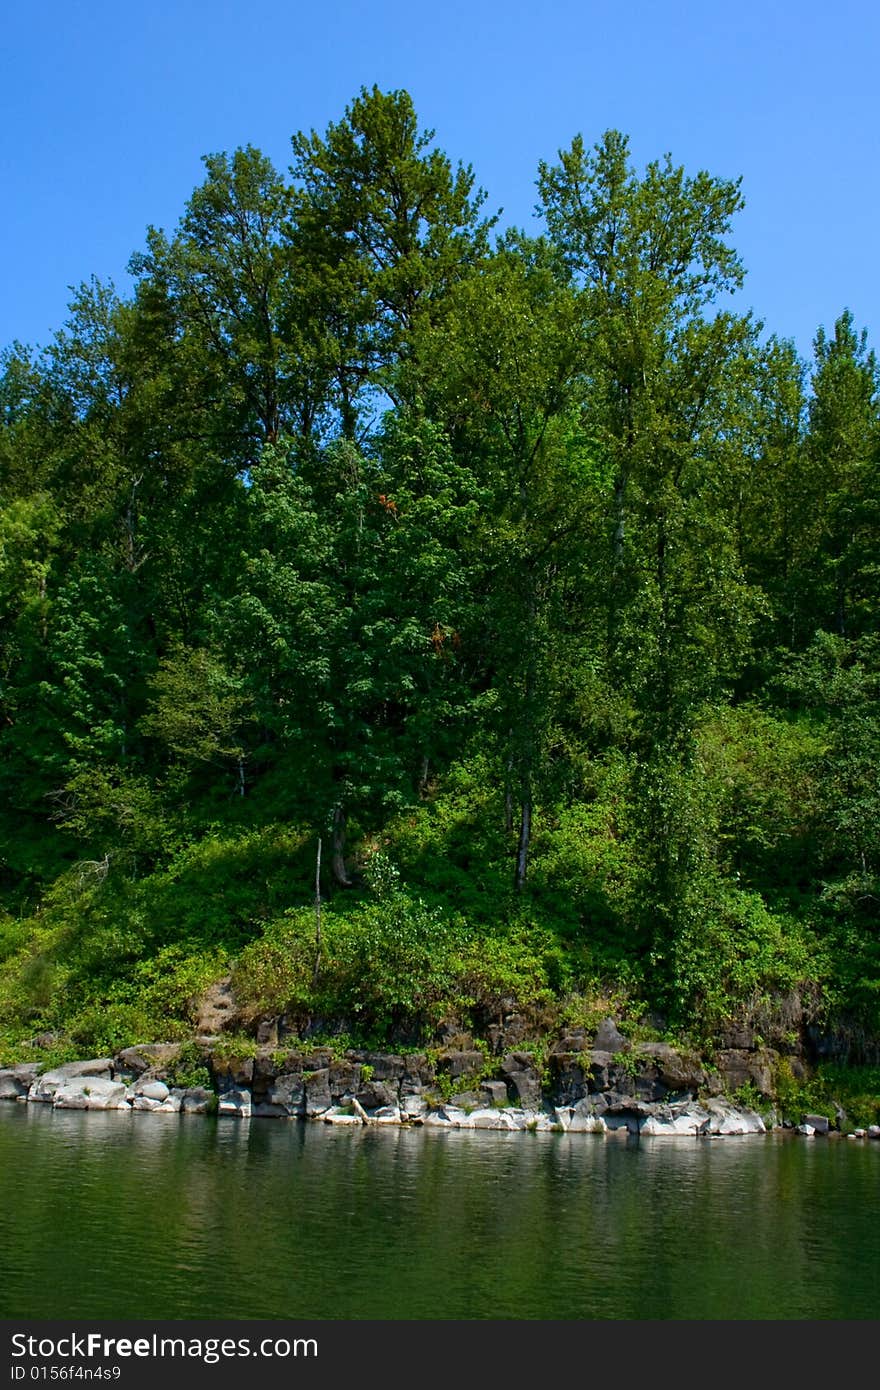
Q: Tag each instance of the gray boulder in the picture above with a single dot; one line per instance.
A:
(15, 1082)
(493, 1093)
(236, 1103)
(196, 1100)
(609, 1038)
(152, 1057)
(317, 1091)
(525, 1089)
(152, 1090)
(287, 1094)
(375, 1094)
(818, 1123)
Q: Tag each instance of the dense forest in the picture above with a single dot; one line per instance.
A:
(417, 621)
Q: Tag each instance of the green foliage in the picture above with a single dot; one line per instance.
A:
(188, 1070)
(526, 577)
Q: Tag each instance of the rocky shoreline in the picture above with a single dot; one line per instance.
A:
(653, 1091)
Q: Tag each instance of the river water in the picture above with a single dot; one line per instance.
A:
(155, 1216)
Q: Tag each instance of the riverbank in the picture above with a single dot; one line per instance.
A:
(603, 1086)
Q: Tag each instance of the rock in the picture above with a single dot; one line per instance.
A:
(196, 1100)
(858, 1134)
(515, 1029)
(590, 1105)
(733, 1068)
(568, 1077)
(17, 1081)
(144, 1103)
(89, 1093)
(387, 1115)
(45, 1086)
(287, 1094)
(539, 1124)
(171, 1106)
(376, 1094)
(232, 1073)
(598, 1069)
(818, 1123)
(337, 1116)
(737, 1037)
(450, 1115)
(586, 1124)
(267, 1032)
(236, 1103)
(491, 1118)
(806, 1130)
(466, 1100)
(609, 1038)
(153, 1090)
(874, 1131)
(216, 1009)
(525, 1089)
(675, 1123)
(412, 1106)
(461, 1063)
(344, 1079)
(152, 1057)
(725, 1118)
(493, 1093)
(317, 1091)
(419, 1071)
(674, 1070)
(563, 1116)
(388, 1067)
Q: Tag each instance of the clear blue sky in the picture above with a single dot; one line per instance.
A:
(107, 106)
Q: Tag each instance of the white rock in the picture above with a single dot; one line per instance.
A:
(587, 1124)
(89, 1093)
(489, 1119)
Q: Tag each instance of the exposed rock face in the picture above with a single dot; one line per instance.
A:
(641, 1089)
(609, 1037)
(459, 1064)
(154, 1058)
(235, 1102)
(196, 1100)
(317, 1089)
(15, 1082)
(216, 1009)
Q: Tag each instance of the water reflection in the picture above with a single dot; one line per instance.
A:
(162, 1216)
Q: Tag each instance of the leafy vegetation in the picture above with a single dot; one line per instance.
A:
(426, 628)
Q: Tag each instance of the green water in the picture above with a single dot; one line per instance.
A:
(154, 1216)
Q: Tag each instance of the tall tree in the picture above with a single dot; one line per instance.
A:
(387, 226)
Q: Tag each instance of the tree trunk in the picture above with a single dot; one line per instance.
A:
(340, 873)
(525, 835)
